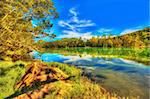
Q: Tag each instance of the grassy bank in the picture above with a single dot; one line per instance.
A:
(139, 55)
(10, 73)
(75, 87)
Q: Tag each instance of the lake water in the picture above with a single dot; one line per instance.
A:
(124, 77)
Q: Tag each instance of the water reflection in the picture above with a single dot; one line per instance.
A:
(118, 75)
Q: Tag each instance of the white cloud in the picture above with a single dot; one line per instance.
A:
(127, 31)
(67, 25)
(130, 30)
(74, 27)
(75, 22)
(103, 30)
(72, 34)
(73, 11)
(87, 24)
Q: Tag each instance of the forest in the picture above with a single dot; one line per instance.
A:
(139, 39)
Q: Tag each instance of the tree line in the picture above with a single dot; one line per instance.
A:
(139, 39)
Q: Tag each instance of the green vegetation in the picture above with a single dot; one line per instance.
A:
(53, 80)
(139, 39)
(69, 70)
(139, 55)
(10, 73)
(17, 32)
(133, 46)
(73, 87)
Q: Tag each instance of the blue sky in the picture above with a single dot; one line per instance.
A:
(87, 18)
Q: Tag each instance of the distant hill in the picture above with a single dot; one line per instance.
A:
(138, 39)
(144, 35)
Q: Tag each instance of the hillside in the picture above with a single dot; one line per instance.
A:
(141, 36)
(138, 39)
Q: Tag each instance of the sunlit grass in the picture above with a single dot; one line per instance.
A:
(84, 89)
(76, 87)
(70, 70)
(10, 73)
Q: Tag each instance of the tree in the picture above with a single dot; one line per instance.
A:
(16, 29)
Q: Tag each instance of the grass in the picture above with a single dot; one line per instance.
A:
(77, 87)
(10, 73)
(139, 55)
(78, 90)
(69, 70)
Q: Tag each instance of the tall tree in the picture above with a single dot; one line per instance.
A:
(16, 29)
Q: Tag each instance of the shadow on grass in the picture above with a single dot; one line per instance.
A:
(36, 85)
(3, 71)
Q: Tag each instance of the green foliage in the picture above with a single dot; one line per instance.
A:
(77, 88)
(81, 90)
(16, 30)
(137, 39)
(139, 55)
(10, 73)
(70, 70)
